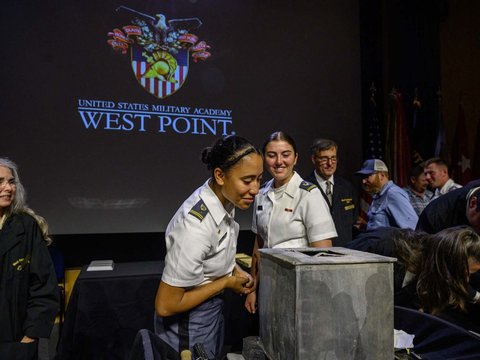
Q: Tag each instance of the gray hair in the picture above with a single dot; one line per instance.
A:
(20, 198)
(322, 145)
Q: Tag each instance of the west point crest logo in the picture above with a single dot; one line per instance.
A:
(159, 49)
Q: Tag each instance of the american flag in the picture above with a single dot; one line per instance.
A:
(373, 150)
(398, 140)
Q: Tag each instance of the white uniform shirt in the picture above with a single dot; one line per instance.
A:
(447, 187)
(201, 241)
(300, 216)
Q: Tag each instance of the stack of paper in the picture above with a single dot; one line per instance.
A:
(100, 265)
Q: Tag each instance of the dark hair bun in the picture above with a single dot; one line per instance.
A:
(226, 152)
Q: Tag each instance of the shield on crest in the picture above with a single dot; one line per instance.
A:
(162, 73)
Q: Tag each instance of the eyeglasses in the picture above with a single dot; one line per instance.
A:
(5, 182)
(324, 159)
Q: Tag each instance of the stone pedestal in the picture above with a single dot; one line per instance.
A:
(333, 303)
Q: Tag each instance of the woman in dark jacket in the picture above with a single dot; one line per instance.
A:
(433, 271)
(28, 286)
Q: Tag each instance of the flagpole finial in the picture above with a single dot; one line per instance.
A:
(416, 101)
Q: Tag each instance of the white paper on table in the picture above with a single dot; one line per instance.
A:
(402, 340)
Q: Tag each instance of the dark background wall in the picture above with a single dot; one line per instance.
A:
(460, 73)
(430, 49)
(306, 67)
(275, 65)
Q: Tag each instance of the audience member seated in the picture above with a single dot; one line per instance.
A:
(417, 189)
(436, 172)
(458, 207)
(448, 260)
(390, 205)
(394, 242)
(433, 271)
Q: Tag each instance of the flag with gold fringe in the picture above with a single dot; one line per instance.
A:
(398, 154)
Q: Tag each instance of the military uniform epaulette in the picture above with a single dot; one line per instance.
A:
(305, 185)
(199, 210)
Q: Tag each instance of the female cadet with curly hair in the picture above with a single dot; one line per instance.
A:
(201, 245)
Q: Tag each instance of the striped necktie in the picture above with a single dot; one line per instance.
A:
(329, 191)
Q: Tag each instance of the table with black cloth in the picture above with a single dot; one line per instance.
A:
(107, 309)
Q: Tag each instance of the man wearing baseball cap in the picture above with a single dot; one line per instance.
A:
(390, 205)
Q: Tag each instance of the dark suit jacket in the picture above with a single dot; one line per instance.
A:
(447, 210)
(344, 209)
(28, 287)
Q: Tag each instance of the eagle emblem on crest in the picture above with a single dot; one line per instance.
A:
(159, 49)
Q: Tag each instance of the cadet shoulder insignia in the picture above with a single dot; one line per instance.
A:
(199, 210)
(305, 185)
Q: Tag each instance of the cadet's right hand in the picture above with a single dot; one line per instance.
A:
(251, 302)
(238, 281)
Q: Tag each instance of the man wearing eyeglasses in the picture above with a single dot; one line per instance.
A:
(338, 192)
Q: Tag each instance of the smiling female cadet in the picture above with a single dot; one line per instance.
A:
(201, 244)
(289, 212)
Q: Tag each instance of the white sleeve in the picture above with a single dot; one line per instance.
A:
(190, 243)
(317, 218)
